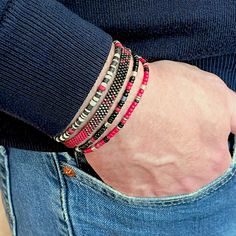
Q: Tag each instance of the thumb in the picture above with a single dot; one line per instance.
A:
(233, 111)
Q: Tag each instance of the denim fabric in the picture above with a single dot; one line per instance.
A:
(42, 200)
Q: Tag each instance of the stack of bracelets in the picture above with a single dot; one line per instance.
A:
(88, 134)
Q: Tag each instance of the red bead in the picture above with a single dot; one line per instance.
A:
(102, 142)
(101, 87)
(117, 109)
(97, 145)
(128, 87)
(70, 131)
(118, 44)
(93, 139)
(130, 110)
(88, 150)
(123, 121)
(142, 60)
(141, 91)
(140, 94)
(116, 130)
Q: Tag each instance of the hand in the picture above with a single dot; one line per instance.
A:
(176, 140)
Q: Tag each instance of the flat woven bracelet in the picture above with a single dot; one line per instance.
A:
(106, 104)
(107, 138)
(118, 108)
(110, 74)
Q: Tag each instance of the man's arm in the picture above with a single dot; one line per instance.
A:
(50, 59)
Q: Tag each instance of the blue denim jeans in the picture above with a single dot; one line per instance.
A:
(40, 199)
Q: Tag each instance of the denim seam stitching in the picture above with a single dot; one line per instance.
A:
(178, 201)
(173, 202)
(63, 195)
(8, 191)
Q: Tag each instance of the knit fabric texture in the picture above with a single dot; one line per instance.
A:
(51, 53)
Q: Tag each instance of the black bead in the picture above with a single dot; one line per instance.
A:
(126, 93)
(85, 145)
(89, 107)
(111, 118)
(106, 139)
(121, 103)
(120, 125)
(132, 79)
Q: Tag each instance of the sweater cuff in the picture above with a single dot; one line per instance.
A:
(50, 59)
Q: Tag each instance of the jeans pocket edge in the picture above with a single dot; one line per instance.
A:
(104, 189)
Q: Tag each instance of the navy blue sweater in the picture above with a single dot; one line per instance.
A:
(51, 53)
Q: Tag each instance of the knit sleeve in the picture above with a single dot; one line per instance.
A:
(50, 59)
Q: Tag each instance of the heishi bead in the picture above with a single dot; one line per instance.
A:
(84, 115)
(109, 73)
(117, 55)
(108, 77)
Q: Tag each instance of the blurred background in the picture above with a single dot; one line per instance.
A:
(4, 227)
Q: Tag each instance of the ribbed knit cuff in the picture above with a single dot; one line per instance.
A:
(50, 59)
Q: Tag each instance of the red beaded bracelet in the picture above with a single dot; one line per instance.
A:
(127, 115)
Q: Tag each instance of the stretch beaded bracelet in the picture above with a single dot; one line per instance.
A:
(118, 108)
(110, 74)
(106, 104)
(127, 115)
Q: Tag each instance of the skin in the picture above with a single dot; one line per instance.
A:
(176, 140)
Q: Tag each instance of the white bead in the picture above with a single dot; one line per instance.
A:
(57, 139)
(116, 60)
(117, 55)
(108, 76)
(81, 119)
(143, 86)
(109, 73)
(95, 99)
(92, 103)
(83, 115)
(104, 84)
